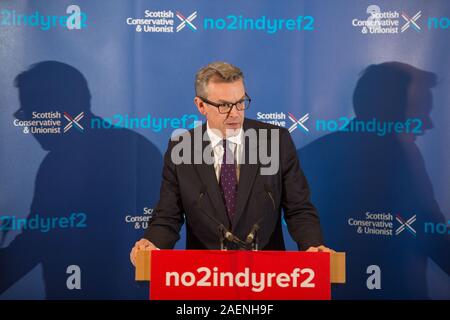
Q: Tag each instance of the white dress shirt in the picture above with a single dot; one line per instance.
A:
(235, 144)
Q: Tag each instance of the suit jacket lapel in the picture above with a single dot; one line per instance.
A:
(208, 177)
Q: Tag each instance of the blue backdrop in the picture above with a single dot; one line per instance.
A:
(362, 85)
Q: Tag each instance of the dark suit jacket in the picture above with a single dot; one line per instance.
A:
(191, 192)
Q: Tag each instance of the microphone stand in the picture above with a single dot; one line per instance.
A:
(222, 238)
(255, 242)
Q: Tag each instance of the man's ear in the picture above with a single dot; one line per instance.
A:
(200, 105)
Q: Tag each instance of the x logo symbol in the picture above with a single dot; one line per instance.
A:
(73, 121)
(411, 21)
(186, 21)
(300, 122)
(405, 225)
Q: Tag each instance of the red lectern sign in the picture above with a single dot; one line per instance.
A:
(239, 275)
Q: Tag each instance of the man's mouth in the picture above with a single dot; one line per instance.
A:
(232, 123)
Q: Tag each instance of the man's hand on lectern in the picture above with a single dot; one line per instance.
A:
(320, 249)
(141, 245)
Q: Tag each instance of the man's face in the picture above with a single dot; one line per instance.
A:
(223, 92)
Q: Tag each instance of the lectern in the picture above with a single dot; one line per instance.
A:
(240, 275)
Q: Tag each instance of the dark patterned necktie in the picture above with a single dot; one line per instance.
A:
(228, 180)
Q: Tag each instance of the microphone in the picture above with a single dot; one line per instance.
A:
(227, 234)
(253, 231)
(252, 235)
(230, 236)
(224, 233)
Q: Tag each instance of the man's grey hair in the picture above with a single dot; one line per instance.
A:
(218, 72)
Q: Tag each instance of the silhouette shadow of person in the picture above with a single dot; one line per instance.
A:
(90, 194)
(372, 189)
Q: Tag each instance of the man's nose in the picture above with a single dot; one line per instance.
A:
(234, 112)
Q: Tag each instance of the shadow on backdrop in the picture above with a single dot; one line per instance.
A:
(352, 173)
(100, 175)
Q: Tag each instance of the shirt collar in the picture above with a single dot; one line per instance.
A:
(216, 139)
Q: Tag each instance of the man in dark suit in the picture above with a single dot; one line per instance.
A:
(226, 190)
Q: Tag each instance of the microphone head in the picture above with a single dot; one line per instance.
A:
(252, 234)
(249, 238)
(229, 236)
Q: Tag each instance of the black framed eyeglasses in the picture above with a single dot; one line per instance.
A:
(240, 105)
